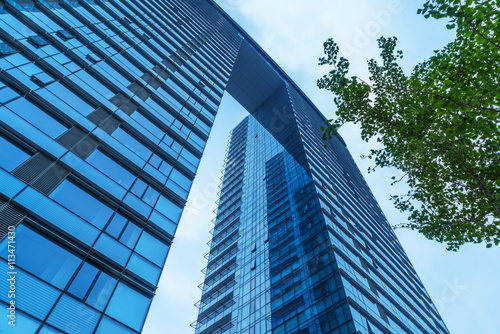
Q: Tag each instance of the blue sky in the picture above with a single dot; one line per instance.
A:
(463, 284)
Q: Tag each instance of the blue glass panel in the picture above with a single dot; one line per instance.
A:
(70, 98)
(150, 196)
(42, 257)
(132, 144)
(112, 249)
(128, 306)
(165, 168)
(21, 324)
(130, 235)
(144, 268)
(180, 179)
(31, 133)
(177, 189)
(168, 208)
(186, 154)
(134, 202)
(148, 124)
(7, 94)
(155, 173)
(152, 249)
(111, 168)
(83, 280)
(65, 107)
(10, 185)
(36, 296)
(116, 225)
(68, 315)
(91, 173)
(37, 117)
(108, 325)
(163, 222)
(155, 161)
(88, 79)
(11, 156)
(82, 203)
(101, 291)
(57, 215)
(139, 187)
(117, 145)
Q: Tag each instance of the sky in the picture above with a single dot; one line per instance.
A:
(463, 284)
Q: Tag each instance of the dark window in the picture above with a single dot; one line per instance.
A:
(38, 41)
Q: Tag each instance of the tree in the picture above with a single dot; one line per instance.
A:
(439, 125)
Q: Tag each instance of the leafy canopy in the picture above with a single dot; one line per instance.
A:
(439, 125)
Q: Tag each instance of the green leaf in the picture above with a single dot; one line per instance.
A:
(439, 125)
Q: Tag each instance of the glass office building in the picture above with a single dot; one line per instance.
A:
(300, 244)
(105, 108)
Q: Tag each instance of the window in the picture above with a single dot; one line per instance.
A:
(71, 99)
(39, 118)
(148, 124)
(38, 41)
(111, 168)
(145, 192)
(180, 179)
(101, 291)
(123, 230)
(168, 209)
(68, 314)
(42, 257)
(152, 249)
(82, 203)
(11, 156)
(132, 144)
(83, 280)
(6, 50)
(128, 306)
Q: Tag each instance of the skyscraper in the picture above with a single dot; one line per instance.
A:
(299, 243)
(105, 108)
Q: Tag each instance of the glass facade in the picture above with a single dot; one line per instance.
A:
(299, 243)
(105, 109)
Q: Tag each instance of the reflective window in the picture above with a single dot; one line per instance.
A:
(180, 179)
(123, 230)
(130, 235)
(144, 268)
(42, 257)
(101, 291)
(70, 98)
(152, 249)
(111, 168)
(37, 117)
(116, 225)
(23, 323)
(11, 156)
(128, 306)
(132, 144)
(145, 192)
(168, 209)
(148, 124)
(69, 313)
(82, 203)
(83, 280)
